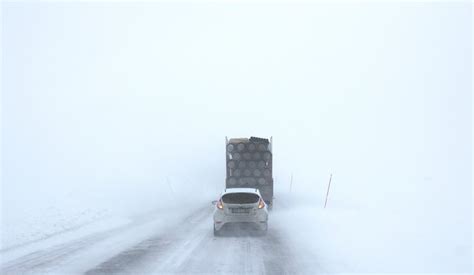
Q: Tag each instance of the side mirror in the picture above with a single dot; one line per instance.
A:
(214, 202)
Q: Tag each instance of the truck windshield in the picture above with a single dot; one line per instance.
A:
(239, 198)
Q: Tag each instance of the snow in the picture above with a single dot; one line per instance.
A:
(13, 253)
(114, 119)
(50, 215)
(77, 251)
(355, 239)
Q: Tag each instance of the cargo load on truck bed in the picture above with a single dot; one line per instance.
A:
(249, 163)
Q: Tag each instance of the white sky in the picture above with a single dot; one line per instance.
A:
(377, 94)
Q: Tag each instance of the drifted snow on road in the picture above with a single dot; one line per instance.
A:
(183, 245)
(303, 238)
(192, 248)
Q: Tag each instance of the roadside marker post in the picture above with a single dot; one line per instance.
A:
(327, 193)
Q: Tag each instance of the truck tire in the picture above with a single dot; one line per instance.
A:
(262, 147)
(247, 172)
(252, 181)
(267, 156)
(237, 173)
(240, 147)
(247, 156)
(236, 156)
(232, 181)
(257, 173)
(231, 164)
(267, 173)
(257, 156)
(252, 147)
(217, 233)
(264, 231)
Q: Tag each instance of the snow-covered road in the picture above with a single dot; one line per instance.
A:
(192, 248)
(186, 245)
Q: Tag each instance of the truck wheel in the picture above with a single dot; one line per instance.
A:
(265, 229)
(216, 232)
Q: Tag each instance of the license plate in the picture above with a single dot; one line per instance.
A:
(240, 210)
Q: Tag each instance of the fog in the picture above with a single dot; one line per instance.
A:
(123, 108)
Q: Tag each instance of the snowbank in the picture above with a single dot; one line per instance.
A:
(346, 238)
(28, 217)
